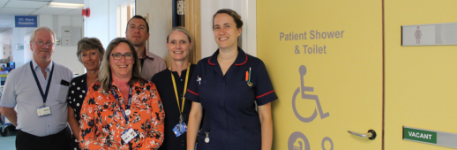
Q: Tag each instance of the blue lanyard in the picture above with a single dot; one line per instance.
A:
(45, 94)
(126, 107)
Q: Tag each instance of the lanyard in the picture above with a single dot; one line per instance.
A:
(45, 94)
(126, 107)
(181, 109)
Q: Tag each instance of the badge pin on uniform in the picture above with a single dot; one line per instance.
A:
(248, 77)
(207, 137)
(199, 80)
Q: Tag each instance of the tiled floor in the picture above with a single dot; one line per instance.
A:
(8, 142)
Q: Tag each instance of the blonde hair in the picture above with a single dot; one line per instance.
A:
(180, 29)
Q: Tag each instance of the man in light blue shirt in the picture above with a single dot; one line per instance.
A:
(38, 89)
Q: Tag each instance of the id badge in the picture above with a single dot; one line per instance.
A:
(43, 111)
(180, 129)
(128, 135)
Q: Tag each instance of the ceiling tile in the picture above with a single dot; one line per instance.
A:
(6, 21)
(2, 16)
(34, 0)
(51, 11)
(70, 1)
(3, 2)
(22, 4)
(63, 1)
(73, 12)
(10, 25)
(17, 11)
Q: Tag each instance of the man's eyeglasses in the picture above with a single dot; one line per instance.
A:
(39, 43)
(117, 56)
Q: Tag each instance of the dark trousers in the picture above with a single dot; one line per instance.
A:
(59, 141)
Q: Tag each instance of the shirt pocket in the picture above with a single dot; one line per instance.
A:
(244, 94)
(62, 92)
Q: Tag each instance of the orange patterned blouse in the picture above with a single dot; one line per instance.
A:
(102, 122)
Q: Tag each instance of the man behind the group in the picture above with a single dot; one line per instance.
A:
(38, 89)
(138, 32)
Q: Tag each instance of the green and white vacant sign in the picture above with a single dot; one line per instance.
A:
(419, 135)
(430, 137)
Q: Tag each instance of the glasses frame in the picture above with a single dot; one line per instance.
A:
(122, 55)
(40, 43)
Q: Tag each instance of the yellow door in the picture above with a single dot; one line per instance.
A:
(420, 80)
(325, 61)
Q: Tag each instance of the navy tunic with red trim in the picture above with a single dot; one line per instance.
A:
(230, 116)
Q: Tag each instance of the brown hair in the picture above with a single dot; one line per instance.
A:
(233, 14)
(138, 17)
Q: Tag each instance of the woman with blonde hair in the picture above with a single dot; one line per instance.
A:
(172, 85)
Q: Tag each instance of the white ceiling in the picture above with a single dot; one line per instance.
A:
(10, 8)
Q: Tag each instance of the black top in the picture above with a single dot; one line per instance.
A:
(75, 98)
(76, 94)
(164, 85)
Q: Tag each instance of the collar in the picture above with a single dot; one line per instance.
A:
(241, 59)
(48, 68)
(146, 55)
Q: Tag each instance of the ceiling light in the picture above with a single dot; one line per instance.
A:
(65, 5)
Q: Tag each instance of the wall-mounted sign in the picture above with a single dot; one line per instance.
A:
(70, 36)
(26, 21)
(430, 137)
(429, 34)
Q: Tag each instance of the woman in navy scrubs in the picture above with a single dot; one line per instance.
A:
(227, 85)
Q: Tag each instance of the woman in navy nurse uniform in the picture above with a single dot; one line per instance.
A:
(226, 85)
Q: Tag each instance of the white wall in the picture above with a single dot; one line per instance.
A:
(245, 8)
(160, 23)
(65, 55)
(102, 22)
(17, 53)
(97, 25)
(28, 54)
(5, 39)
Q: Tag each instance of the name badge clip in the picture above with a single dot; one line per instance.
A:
(207, 137)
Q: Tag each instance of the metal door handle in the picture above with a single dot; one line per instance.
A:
(371, 134)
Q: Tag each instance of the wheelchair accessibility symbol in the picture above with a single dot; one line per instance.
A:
(304, 88)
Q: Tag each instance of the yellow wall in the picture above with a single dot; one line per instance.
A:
(420, 81)
(347, 79)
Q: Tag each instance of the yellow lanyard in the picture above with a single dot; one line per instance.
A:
(181, 109)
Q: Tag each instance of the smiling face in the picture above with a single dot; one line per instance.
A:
(42, 52)
(178, 45)
(225, 31)
(91, 59)
(137, 32)
(121, 68)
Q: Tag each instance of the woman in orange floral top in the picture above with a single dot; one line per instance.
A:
(121, 109)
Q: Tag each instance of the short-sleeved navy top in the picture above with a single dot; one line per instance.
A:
(230, 116)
